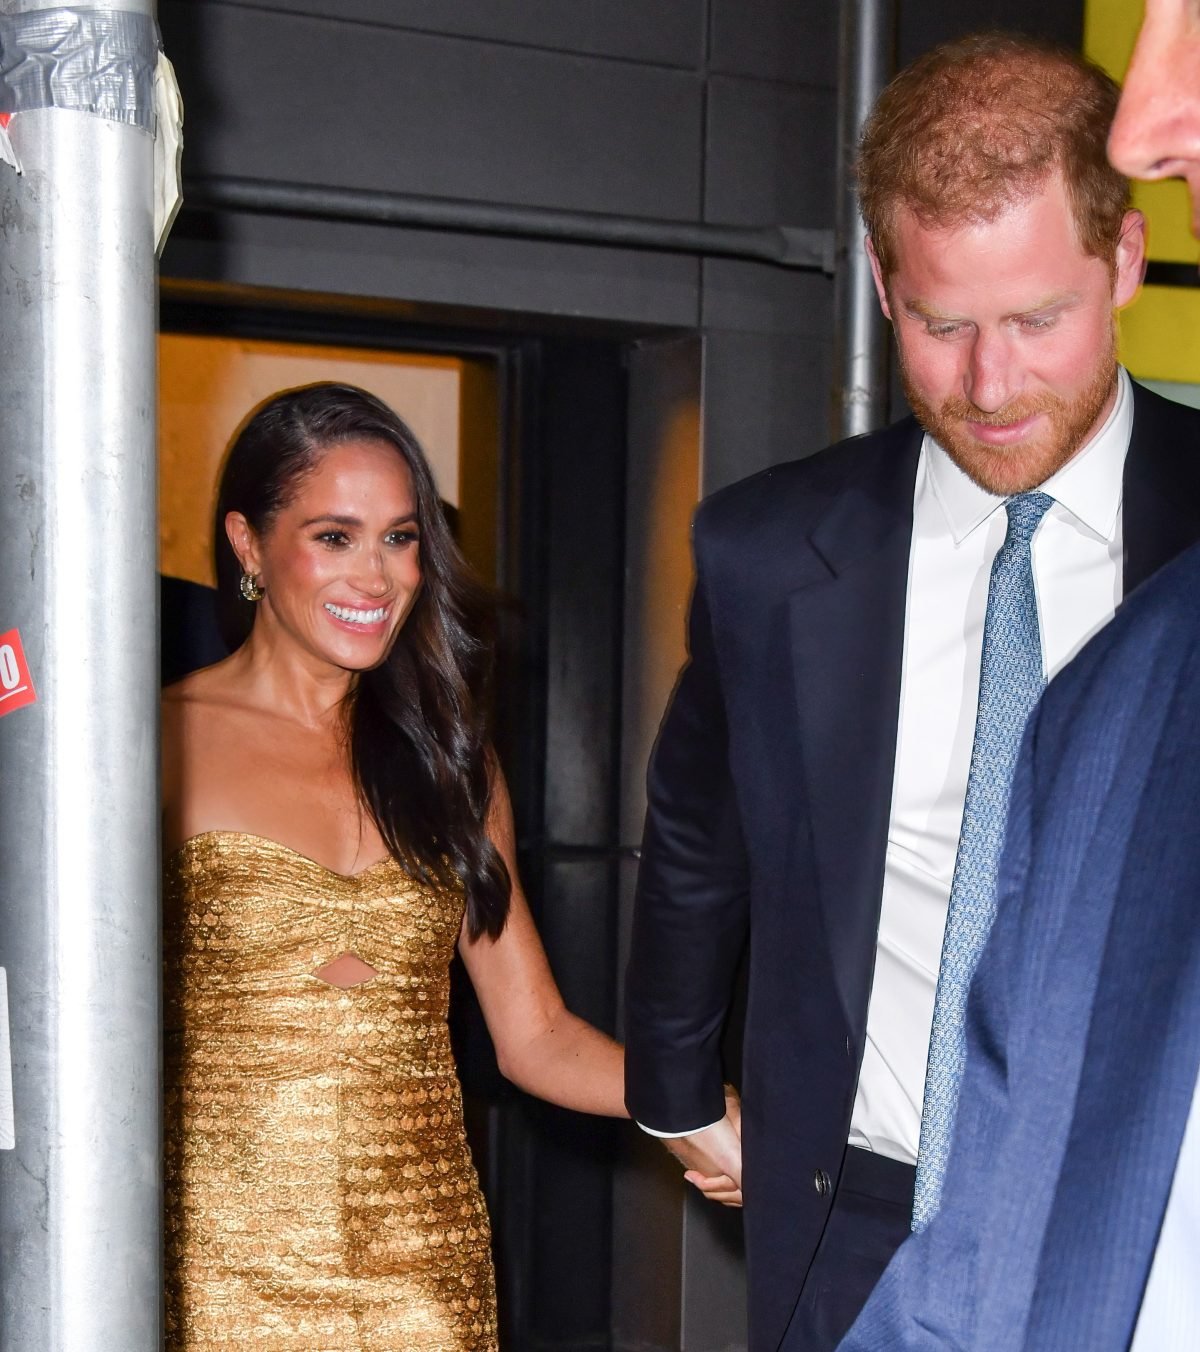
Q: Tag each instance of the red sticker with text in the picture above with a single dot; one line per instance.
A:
(16, 687)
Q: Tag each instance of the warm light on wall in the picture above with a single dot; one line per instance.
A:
(208, 385)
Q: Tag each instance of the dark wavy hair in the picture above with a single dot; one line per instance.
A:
(418, 728)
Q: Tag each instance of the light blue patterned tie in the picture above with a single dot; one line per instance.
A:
(1010, 682)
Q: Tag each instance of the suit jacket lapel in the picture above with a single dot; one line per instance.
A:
(847, 651)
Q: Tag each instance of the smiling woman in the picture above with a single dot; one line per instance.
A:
(350, 568)
(326, 500)
(336, 823)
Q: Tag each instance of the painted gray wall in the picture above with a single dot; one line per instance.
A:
(698, 110)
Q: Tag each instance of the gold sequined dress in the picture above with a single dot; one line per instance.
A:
(320, 1193)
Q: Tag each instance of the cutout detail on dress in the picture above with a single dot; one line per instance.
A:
(346, 970)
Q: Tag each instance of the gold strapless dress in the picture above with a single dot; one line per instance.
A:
(320, 1193)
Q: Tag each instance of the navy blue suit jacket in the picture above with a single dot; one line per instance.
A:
(1084, 1017)
(769, 794)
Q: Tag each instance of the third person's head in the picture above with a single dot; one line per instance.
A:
(1157, 131)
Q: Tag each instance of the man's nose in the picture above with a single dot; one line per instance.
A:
(1157, 128)
(988, 381)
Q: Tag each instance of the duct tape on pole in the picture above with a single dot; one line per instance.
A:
(80, 1266)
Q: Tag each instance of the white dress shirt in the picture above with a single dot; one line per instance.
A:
(958, 528)
(1169, 1320)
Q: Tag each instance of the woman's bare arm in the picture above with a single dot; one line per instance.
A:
(540, 1045)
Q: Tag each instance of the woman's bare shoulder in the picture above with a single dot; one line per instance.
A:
(206, 741)
(202, 697)
(200, 710)
(198, 686)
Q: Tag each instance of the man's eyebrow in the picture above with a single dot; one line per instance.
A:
(920, 310)
(1059, 300)
(1056, 301)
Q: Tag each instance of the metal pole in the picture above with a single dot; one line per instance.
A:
(80, 1266)
(790, 246)
(866, 59)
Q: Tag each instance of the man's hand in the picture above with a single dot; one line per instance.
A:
(713, 1157)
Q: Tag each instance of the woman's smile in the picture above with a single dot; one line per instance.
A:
(361, 621)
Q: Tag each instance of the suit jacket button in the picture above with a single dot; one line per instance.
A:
(821, 1182)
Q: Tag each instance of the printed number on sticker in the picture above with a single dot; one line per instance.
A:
(10, 672)
(16, 686)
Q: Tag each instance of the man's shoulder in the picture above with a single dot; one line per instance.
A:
(798, 491)
(1158, 624)
(1156, 628)
(1165, 443)
(1156, 410)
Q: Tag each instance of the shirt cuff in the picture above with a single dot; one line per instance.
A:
(675, 1135)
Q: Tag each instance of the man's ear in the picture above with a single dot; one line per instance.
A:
(877, 273)
(1131, 258)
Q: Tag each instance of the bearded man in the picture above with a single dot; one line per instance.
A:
(1071, 1216)
(870, 629)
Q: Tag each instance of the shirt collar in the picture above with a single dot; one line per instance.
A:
(1089, 485)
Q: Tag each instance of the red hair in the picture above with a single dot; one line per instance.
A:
(980, 123)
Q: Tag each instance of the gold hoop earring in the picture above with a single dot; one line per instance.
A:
(249, 587)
